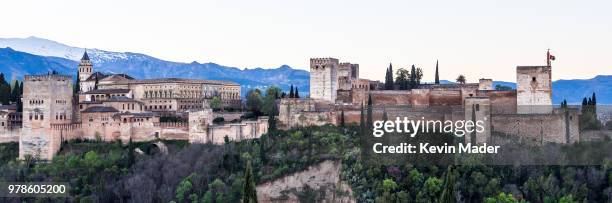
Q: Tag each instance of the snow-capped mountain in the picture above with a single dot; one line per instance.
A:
(144, 66)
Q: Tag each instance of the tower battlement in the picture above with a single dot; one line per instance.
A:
(316, 63)
(47, 77)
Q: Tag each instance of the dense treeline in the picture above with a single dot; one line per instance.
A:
(10, 94)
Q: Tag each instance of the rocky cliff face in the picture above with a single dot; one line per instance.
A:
(319, 183)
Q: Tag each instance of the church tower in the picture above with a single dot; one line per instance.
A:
(85, 69)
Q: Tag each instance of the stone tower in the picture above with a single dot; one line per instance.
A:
(47, 101)
(533, 89)
(85, 70)
(324, 78)
(478, 109)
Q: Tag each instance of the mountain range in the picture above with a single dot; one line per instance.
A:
(37, 55)
(33, 55)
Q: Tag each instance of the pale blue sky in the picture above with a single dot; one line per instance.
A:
(477, 38)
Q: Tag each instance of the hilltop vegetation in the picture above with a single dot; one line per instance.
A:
(108, 172)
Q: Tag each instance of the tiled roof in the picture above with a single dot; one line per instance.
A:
(108, 91)
(102, 109)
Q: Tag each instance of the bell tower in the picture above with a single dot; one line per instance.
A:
(85, 69)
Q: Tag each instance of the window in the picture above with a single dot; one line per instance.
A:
(533, 79)
(477, 107)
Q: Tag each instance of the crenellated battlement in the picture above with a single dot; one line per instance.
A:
(66, 127)
(317, 63)
(47, 77)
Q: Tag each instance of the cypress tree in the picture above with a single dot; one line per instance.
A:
(342, 118)
(77, 85)
(291, 94)
(389, 78)
(297, 94)
(16, 91)
(96, 84)
(385, 116)
(362, 121)
(448, 193)
(131, 157)
(594, 103)
(5, 91)
(249, 194)
(437, 80)
(370, 120)
(590, 102)
(584, 102)
(272, 123)
(413, 77)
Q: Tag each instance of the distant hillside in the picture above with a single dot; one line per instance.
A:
(15, 64)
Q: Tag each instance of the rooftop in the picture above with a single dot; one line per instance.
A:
(177, 80)
(121, 99)
(100, 109)
(108, 91)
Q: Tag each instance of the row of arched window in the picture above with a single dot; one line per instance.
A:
(37, 101)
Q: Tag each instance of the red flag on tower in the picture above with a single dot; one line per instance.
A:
(549, 57)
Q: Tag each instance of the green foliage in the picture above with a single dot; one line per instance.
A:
(389, 78)
(461, 79)
(269, 102)
(5, 91)
(249, 193)
(254, 101)
(183, 189)
(218, 120)
(215, 103)
(501, 198)
(502, 88)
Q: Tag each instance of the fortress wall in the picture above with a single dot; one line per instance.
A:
(382, 97)
(444, 97)
(558, 127)
(11, 135)
(203, 133)
(228, 116)
(419, 97)
(312, 119)
(502, 102)
(344, 96)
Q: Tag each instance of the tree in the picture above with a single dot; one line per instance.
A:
(215, 103)
(272, 123)
(448, 193)
(19, 101)
(370, 119)
(389, 78)
(385, 117)
(15, 95)
(342, 124)
(362, 121)
(184, 187)
(249, 193)
(5, 91)
(77, 85)
(96, 82)
(413, 77)
(402, 79)
(269, 102)
(297, 93)
(461, 79)
(291, 93)
(418, 77)
(502, 87)
(254, 101)
(437, 80)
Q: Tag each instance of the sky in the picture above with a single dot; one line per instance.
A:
(480, 39)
